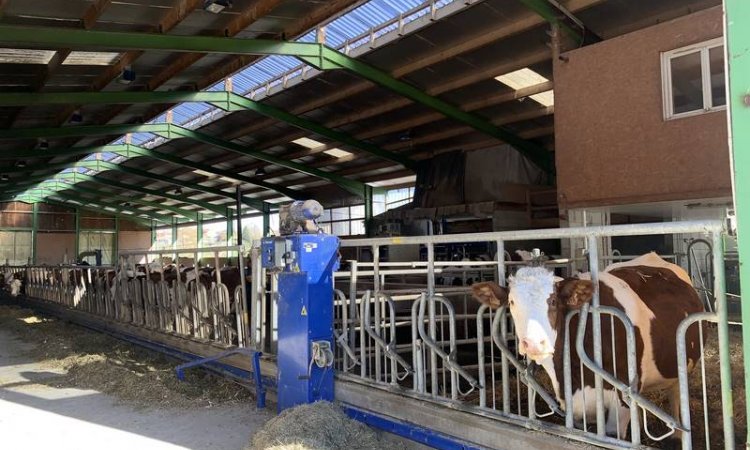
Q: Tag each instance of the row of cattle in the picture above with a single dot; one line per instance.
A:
(15, 280)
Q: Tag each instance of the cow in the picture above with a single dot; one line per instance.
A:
(655, 295)
(14, 281)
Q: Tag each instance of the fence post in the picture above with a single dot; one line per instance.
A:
(737, 63)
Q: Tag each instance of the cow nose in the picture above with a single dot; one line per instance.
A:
(528, 346)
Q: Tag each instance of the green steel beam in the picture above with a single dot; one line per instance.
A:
(24, 36)
(172, 131)
(42, 195)
(249, 201)
(225, 100)
(77, 177)
(355, 187)
(554, 16)
(102, 197)
(737, 26)
(316, 54)
(536, 153)
(83, 130)
(219, 99)
(309, 125)
(130, 150)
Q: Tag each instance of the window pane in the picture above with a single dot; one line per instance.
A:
(252, 228)
(340, 213)
(687, 87)
(358, 211)
(340, 228)
(326, 216)
(358, 227)
(718, 89)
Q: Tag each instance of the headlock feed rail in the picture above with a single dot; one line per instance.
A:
(404, 322)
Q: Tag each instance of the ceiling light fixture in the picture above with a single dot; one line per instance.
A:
(178, 191)
(4, 177)
(127, 76)
(42, 144)
(260, 172)
(20, 164)
(76, 117)
(216, 6)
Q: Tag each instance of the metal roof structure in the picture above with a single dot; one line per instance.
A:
(165, 107)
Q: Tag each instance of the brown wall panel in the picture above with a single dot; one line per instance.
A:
(52, 247)
(134, 240)
(612, 143)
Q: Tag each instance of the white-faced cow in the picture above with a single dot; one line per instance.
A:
(655, 295)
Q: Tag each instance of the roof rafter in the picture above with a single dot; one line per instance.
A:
(130, 150)
(317, 55)
(41, 195)
(57, 184)
(95, 165)
(171, 131)
(226, 100)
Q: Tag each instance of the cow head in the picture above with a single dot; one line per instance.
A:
(15, 287)
(538, 302)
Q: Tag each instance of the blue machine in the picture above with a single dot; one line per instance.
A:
(305, 263)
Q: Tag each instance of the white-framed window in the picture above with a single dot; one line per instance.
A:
(693, 79)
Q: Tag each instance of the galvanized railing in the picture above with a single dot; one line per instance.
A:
(193, 302)
(468, 356)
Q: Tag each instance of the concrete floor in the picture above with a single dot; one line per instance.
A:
(36, 416)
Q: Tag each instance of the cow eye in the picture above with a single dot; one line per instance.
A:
(512, 303)
(552, 301)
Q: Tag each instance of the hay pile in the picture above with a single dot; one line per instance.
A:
(319, 426)
(132, 375)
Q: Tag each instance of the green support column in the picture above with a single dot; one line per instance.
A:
(116, 239)
(230, 227)
(153, 233)
(174, 233)
(34, 231)
(266, 223)
(76, 249)
(368, 197)
(199, 229)
(738, 65)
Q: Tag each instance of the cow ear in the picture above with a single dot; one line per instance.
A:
(490, 293)
(574, 292)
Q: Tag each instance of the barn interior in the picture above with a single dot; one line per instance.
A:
(149, 144)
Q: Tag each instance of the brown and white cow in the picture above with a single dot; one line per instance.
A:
(655, 295)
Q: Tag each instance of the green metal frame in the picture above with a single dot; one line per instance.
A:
(317, 55)
(34, 230)
(105, 197)
(738, 74)
(131, 151)
(172, 131)
(227, 101)
(35, 198)
(76, 177)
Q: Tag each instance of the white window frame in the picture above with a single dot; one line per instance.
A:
(666, 78)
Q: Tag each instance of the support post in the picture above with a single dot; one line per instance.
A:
(116, 239)
(737, 57)
(153, 233)
(34, 231)
(266, 223)
(368, 197)
(239, 215)
(174, 233)
(77, 248)
(230, 227)
(199, 229)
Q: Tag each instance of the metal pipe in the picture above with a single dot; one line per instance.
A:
(724, 358)
(597, 331)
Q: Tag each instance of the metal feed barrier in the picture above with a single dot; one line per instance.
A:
(137, 292)
(397, 327)
(400, 330)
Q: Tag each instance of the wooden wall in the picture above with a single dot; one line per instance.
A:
(612, 143)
